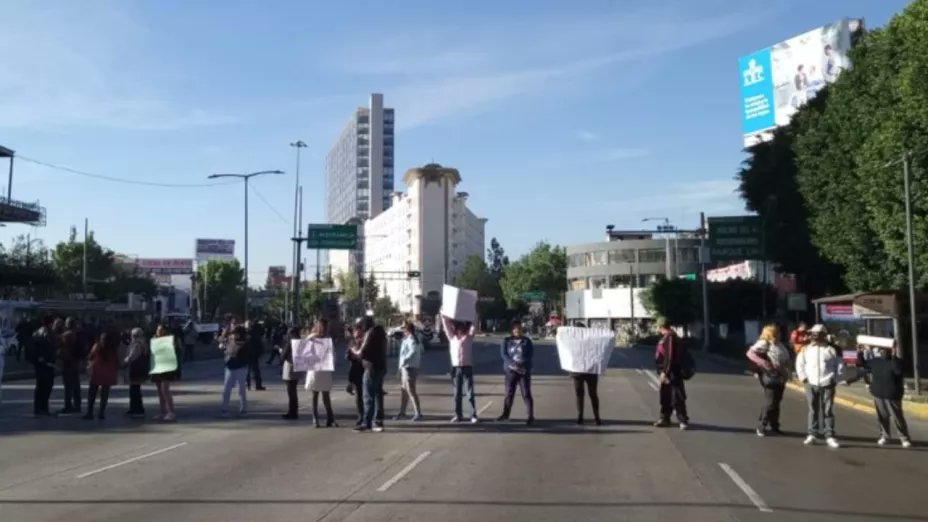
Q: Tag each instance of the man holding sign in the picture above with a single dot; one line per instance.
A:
(459, 310)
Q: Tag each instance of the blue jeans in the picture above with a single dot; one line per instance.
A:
(821, 401)
(463, 376)
(232, 379)
(373, 398)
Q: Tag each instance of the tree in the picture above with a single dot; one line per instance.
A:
(768, 185)
(848, 143)
(25, 252)
(543, 269)
(672, 300)
(385, 310)
(68, 262)
(476, 275)
(371, 292)
(496, 259)
(679, 301)
(222, 287)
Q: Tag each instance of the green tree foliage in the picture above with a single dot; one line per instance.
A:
(497, 259)
(224, 283)
(768, 186)
(476, 275)
(846, 140)
(679, 301)
(385, 311)
(672, 300)
(25, 251)
(68, 258)
(371, 291)
(543, 269)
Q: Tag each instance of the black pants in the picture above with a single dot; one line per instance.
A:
(327, 403)
(524, 382)
(358, 382)
(275, 354)
(92, 397)
(673, 399)
(886, 408)
(254, 368)
(188, 352)
(44, 382)
(770, 413)
(293, 400)
(71, 377)
(592, 383)
(135, 399)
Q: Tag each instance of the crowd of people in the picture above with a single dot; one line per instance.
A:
(68, 346)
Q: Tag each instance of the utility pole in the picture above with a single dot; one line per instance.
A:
(704, 263)
(297, 231)
(297, 268)
(84, 264)
(910, 247)
(631, 300)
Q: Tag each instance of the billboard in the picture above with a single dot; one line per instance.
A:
(777, 80)
(214, 250)
(164, 265)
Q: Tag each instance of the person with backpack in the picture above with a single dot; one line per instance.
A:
(517, 352)
(409, 361)
(70, 355)
(772, 368)
(137, 363)
(237, 359)
(818, 366)
(887, 386)
(674, 366)
(103, 366)
(41, 354)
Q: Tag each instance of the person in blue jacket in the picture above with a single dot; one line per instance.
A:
(517, 352)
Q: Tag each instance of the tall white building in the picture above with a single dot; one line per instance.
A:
(428, 229)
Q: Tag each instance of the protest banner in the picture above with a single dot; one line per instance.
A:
(459, 304)
(313, 355)
(585, 350)
(163, 356)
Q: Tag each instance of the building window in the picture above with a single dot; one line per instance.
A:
(600, 258)
(579, 260)
(621, 256)
(688, 255)
(652, 255)
(578, 284)
(620, 281)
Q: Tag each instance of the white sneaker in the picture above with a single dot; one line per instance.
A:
(810, 440)
(684, 426)
(906, 443)
(882, 441)
(760, 432)
(455, 419)
(377, 429)
(832, 443)
(474, 420)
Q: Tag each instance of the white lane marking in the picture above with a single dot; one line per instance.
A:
(403, 472)
(485, 407)
(653, 376)
(640, 371)
(129, 461)
(746, 488)
(653, 386)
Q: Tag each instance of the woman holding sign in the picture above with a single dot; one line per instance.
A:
(320, 381)
(164, 371)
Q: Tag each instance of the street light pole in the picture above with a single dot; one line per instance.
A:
(910, 247)
(297, 232)
(245, 178)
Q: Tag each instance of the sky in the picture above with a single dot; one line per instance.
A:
(562, 117)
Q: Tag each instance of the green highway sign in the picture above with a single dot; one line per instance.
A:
(413, 273)
(688, 277)
(536, 295)
(735, 238)
(332, 237)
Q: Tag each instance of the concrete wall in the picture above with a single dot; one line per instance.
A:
(614, 303)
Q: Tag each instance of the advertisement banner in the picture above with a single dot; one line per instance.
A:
(778, 80)
(214, 250)
(164, 265)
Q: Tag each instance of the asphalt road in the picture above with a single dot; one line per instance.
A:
(262, 468)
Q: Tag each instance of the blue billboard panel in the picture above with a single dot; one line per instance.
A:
(757, 104)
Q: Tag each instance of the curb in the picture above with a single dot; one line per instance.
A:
(913, 410)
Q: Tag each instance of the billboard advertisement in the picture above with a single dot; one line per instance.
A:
(215, 250)
(164, 265)
(777, 80)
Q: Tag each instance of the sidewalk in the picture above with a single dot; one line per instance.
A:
(856, 396)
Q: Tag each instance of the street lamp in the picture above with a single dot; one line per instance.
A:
(297, 232)
(246, 177)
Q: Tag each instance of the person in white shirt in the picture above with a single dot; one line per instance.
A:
(410, 359)
(460, 347)
(819, 366)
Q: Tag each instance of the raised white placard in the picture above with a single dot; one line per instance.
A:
(459, 304)
(313, 355)
(585, 350)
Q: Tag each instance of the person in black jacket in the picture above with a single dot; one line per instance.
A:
(42, 352)
(887, 387)
(255, 351)
(237, 359)
(373, 356)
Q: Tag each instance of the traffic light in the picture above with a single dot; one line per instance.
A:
(413, 273)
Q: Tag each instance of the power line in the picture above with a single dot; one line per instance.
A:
(121, 180)
(274, 210)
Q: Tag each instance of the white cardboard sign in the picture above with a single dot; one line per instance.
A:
(585, 350)
(313, 355)
(459, 304)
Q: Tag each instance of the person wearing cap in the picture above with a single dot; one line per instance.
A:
(818, 366)
(887, 386)
(773, 363)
